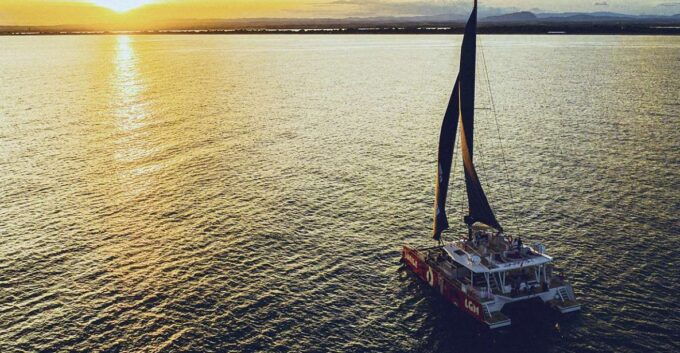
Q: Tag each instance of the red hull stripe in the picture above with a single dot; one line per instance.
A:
(437, 281)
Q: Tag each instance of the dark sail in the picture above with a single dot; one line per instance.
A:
(461, 107)
(479, 208)
(478, 205)
(447, 139)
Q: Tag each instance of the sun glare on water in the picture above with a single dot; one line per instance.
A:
(121, 5)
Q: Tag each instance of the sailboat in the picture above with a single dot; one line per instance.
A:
(486, 268)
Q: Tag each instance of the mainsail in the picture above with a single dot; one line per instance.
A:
(462, 108)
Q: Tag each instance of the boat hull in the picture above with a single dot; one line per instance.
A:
(486, 311)
(431, 275)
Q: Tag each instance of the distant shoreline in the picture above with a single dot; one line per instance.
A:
(522, 22)
(512, 30)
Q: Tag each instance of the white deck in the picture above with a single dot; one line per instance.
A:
(459, 255)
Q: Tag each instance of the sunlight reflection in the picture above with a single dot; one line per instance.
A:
(131, 111)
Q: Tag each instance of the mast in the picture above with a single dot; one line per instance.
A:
(461, 108)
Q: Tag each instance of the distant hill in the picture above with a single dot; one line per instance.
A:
(318, 23)
(524, 16)
(451, 19)
(602, 17)
(576, 18)
(570, 14)
(518, 22)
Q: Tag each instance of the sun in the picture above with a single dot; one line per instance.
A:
(121, 5)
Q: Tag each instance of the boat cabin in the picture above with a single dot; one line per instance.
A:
(492, 263)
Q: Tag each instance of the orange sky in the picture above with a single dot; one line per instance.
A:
(141, 12)
(97, 12)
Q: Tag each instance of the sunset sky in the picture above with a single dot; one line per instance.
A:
(80, 12)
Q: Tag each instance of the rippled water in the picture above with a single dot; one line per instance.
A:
(251, 193)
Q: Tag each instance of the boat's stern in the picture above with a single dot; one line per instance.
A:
(496, 319)
(563, 299)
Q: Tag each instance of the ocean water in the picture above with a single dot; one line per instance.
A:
(252, 193)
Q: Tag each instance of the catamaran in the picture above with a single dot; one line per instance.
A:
(487, 268)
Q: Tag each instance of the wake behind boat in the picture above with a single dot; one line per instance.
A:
(487, 268)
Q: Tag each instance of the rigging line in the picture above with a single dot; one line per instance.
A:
(462, 180)
(480, 148)
(455, 159)
(463, 197)
(498, 130)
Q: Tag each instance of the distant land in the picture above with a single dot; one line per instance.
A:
(513, 23)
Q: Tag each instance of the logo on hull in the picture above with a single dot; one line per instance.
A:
(409, 258)
(471, 306)
(430, 277)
